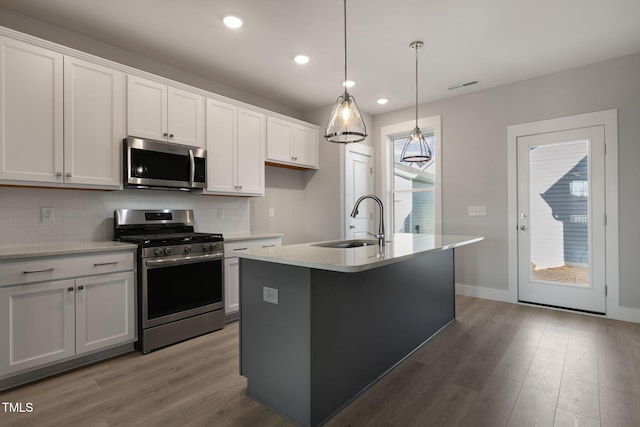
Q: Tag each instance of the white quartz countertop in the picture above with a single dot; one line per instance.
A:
(61, 249)
(351, 260)
(239, 237)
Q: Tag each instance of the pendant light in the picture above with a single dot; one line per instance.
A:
(345, 124)
(416, 149)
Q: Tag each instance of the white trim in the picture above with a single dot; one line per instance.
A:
(359, 148)
(387, 133)
(483, 292)
(609, 119)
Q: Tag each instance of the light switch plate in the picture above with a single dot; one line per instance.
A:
(477, 210)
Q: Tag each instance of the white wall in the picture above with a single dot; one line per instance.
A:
(474, 159)
(87, 216)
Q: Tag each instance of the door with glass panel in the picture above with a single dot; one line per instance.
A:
(561, 219)
(414, 187)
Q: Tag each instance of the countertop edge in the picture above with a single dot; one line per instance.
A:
(16, 253)
(240, 237)
(267, 255)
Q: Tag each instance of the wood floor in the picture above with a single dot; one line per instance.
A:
(498, 364)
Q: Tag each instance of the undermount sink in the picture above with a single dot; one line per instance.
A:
(353, 243)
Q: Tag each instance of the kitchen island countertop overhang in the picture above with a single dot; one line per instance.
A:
(400, 247)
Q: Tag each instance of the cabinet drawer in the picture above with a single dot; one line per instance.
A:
(231, 248)
(41, 269)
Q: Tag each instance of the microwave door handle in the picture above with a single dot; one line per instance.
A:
(192, 162)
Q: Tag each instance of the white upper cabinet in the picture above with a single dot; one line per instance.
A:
(292, 144)
(31, 113)
(93, 123)
(160, 112)
(235, 150)
(62, 118)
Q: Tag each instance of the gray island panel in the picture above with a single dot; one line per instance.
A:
(332, 334)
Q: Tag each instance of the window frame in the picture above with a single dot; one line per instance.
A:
(428, 125)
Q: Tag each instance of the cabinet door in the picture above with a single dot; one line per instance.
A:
(250, 152)
(305, 146)
(93, 123)
(221, 142)
(186, 117)
(146, 109)
(104, 311)
(279, 140)
(232, 285)
(37, 325)
(31, 80)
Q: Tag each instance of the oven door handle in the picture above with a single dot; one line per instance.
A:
(167, 262)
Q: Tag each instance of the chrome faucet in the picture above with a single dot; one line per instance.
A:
(354, 212)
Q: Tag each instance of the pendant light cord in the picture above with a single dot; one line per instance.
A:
(416, 48)
(345, 49)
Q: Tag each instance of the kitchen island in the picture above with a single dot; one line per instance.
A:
(319, 325)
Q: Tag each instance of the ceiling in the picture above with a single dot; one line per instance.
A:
(491, 41)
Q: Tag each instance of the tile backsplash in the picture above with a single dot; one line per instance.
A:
(87, 216)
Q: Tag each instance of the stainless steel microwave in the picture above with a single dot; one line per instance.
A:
(163, 165)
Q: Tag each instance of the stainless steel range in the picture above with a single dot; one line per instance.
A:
(180, 275)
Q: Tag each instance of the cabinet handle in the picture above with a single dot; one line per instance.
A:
(239, 187)
(68, 175)
(81, 288)
(170, 135)
(38, 271)
(240, 249)
(100, 264)
(165, 134)
(58, 174)
(70, 289)
(268, 246)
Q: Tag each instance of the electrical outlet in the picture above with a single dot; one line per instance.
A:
(270, 295)
(272, 213)
(47, 214)
(220, 213)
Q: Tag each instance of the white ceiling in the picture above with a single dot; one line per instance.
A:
(492, 41)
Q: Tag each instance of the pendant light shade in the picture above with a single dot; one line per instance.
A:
(416, 149)
(345, 124)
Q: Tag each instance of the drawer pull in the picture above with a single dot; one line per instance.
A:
(101, 264)
(38, 271)
(70, 289)
(268, 246)
(241, 249)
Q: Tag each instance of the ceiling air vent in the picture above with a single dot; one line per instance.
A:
(465, 84)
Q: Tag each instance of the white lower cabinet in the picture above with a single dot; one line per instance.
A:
(37, 325)
(232, 268)
(231, 285)
(54, 320)
(105, 311)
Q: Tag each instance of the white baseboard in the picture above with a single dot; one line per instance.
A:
(483, 292)
(627, 314)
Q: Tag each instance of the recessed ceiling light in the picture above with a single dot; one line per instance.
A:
(301, 59)
(232, 21)
(382, 101)
(349, 83)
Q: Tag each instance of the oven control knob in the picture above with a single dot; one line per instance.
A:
(187, 249)
(167, 251)
(159, 252)
(207, 246)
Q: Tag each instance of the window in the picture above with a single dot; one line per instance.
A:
(414, 186)
(411, 191)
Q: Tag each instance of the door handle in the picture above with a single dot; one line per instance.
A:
(352, 226)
